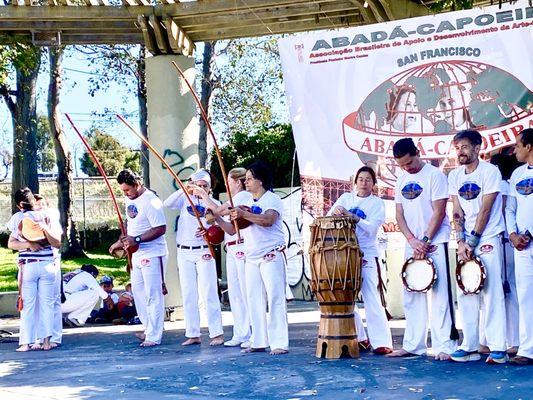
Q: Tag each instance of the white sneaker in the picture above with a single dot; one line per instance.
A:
(246, 344)
(232, 343)
(75, 322)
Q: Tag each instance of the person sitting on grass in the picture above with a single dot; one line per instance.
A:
(107, 313)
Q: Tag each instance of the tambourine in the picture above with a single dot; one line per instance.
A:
(31, 231)
(419, 275)
(470, 275)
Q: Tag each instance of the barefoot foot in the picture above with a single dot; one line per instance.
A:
(253, 350)
(36, 346)
(277, 352)
(140, 336)
(190, 341)
(442, 357)
(217, 341)
(147, 343)
(23, 348)
(400, 353)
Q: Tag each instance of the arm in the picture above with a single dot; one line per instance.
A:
(53, 237)
(267, 219)
(439, 212)
(419, 247)
(520, 242)
(174, 201)
(374, 219)
(464, 251)
(219, 209)
(21, 245)
(92, 284)
(148, 236)
(484, 213)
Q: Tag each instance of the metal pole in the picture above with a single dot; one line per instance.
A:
(84, 220)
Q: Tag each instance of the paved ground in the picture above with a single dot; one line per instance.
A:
(106, 363)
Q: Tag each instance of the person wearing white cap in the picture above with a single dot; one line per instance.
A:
(196, 265)
(146, 230)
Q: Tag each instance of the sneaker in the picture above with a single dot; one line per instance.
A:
(364, 345)
(381, 351)
(521, 360)
(497, 357)
(464, 356)
(232, 343)
(246, 345)
(74, 322)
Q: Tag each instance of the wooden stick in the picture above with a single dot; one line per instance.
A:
(215, 143)
(106, 180)
(176, 178)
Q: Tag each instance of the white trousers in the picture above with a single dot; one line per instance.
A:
(198, 277)
(376, 319)
(78, 305)
(57, 330)
(524, 285)
(490, 251)
(146, 286)
(511, 303)
(38, 297)
(359, 327)
(235, 267)
(417, 312)
(265, 285)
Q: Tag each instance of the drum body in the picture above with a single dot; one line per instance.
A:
(470, 276)
(419, 275)
(336, 260)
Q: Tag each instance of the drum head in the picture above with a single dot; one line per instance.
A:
(471, 277)
(31, 230)
(418, 275)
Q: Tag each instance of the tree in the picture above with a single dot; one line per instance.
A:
(24, 60)
(206, 85)
(70, 243)
(110, 153)
(133, 161)
(46, 158)
(274, 145)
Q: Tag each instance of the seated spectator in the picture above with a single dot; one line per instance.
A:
(126, 306)
(82, 293)
(107, 313)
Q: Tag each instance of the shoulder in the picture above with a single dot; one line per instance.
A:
(518, 172)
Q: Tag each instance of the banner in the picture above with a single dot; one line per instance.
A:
(354, 92)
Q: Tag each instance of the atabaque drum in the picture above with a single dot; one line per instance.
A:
(336, 260)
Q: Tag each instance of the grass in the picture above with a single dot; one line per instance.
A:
(106, 264)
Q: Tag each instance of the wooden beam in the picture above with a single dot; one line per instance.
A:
(148, 35)
(173, 32)
(160, 36)
(68, 26)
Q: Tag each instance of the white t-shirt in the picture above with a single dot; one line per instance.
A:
(144, 213)
(83, 281)
(470, 189)
(259, 240)
(187, 223)
(243, 198)
(371, 210)
(39, 217)
(416, 193)
(521, 188)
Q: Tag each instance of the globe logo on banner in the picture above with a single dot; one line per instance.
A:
(469, 191)
(412, 190)
(430, 103)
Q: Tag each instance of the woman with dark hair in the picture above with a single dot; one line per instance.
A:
(196, 266)
(34, 236)
(264, 241)
(368, 211)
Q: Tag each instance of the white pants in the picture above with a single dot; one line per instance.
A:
(511, 303)
(57, 330)
(235, 260)
(524, 285)
(38, 297)
(417, 314)
(359, 327)
(493, 301)
(198, 277)
(376, 319)
(146, 286)
(265, 284)
(78, 305)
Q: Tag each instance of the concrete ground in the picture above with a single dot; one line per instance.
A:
(106, 362)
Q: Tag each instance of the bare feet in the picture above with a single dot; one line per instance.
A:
(483, 349)
(140, 336)
(36, 346)
(147, 343)
(53, 345)
(46, 344)
(442, 357)
(217, 341)
(253, 350)
(400, 353)
(277, 352)
(512, 350)
(193, 340)
(23, 348)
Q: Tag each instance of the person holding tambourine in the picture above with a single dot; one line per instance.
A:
(477, 212)
(421, 197)
(35, 236)
(196, 265)
(519, 219)
(368, 211)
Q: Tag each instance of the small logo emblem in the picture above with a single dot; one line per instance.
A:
(207, 257)
(145, 262)
(432, 249)
(486, 248)
(357, 211)
(269, 257)
(469, 191)
(239, 255)
(412, 190)
(132, 211)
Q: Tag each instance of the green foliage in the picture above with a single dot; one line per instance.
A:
(15, 53)
(46, 156)
(453, 5)
(133, 161)
(248, 86)
(111, 154)
(274, 145)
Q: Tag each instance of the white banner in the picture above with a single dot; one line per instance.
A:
(354, 92)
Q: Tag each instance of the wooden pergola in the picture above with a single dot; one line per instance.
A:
(172, 27)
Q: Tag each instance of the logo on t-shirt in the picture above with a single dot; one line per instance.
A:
(256, 210)
(525, 186)
(132, 211)
(412, 190)
(357, 211)
(469, 191)
(200, 209)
